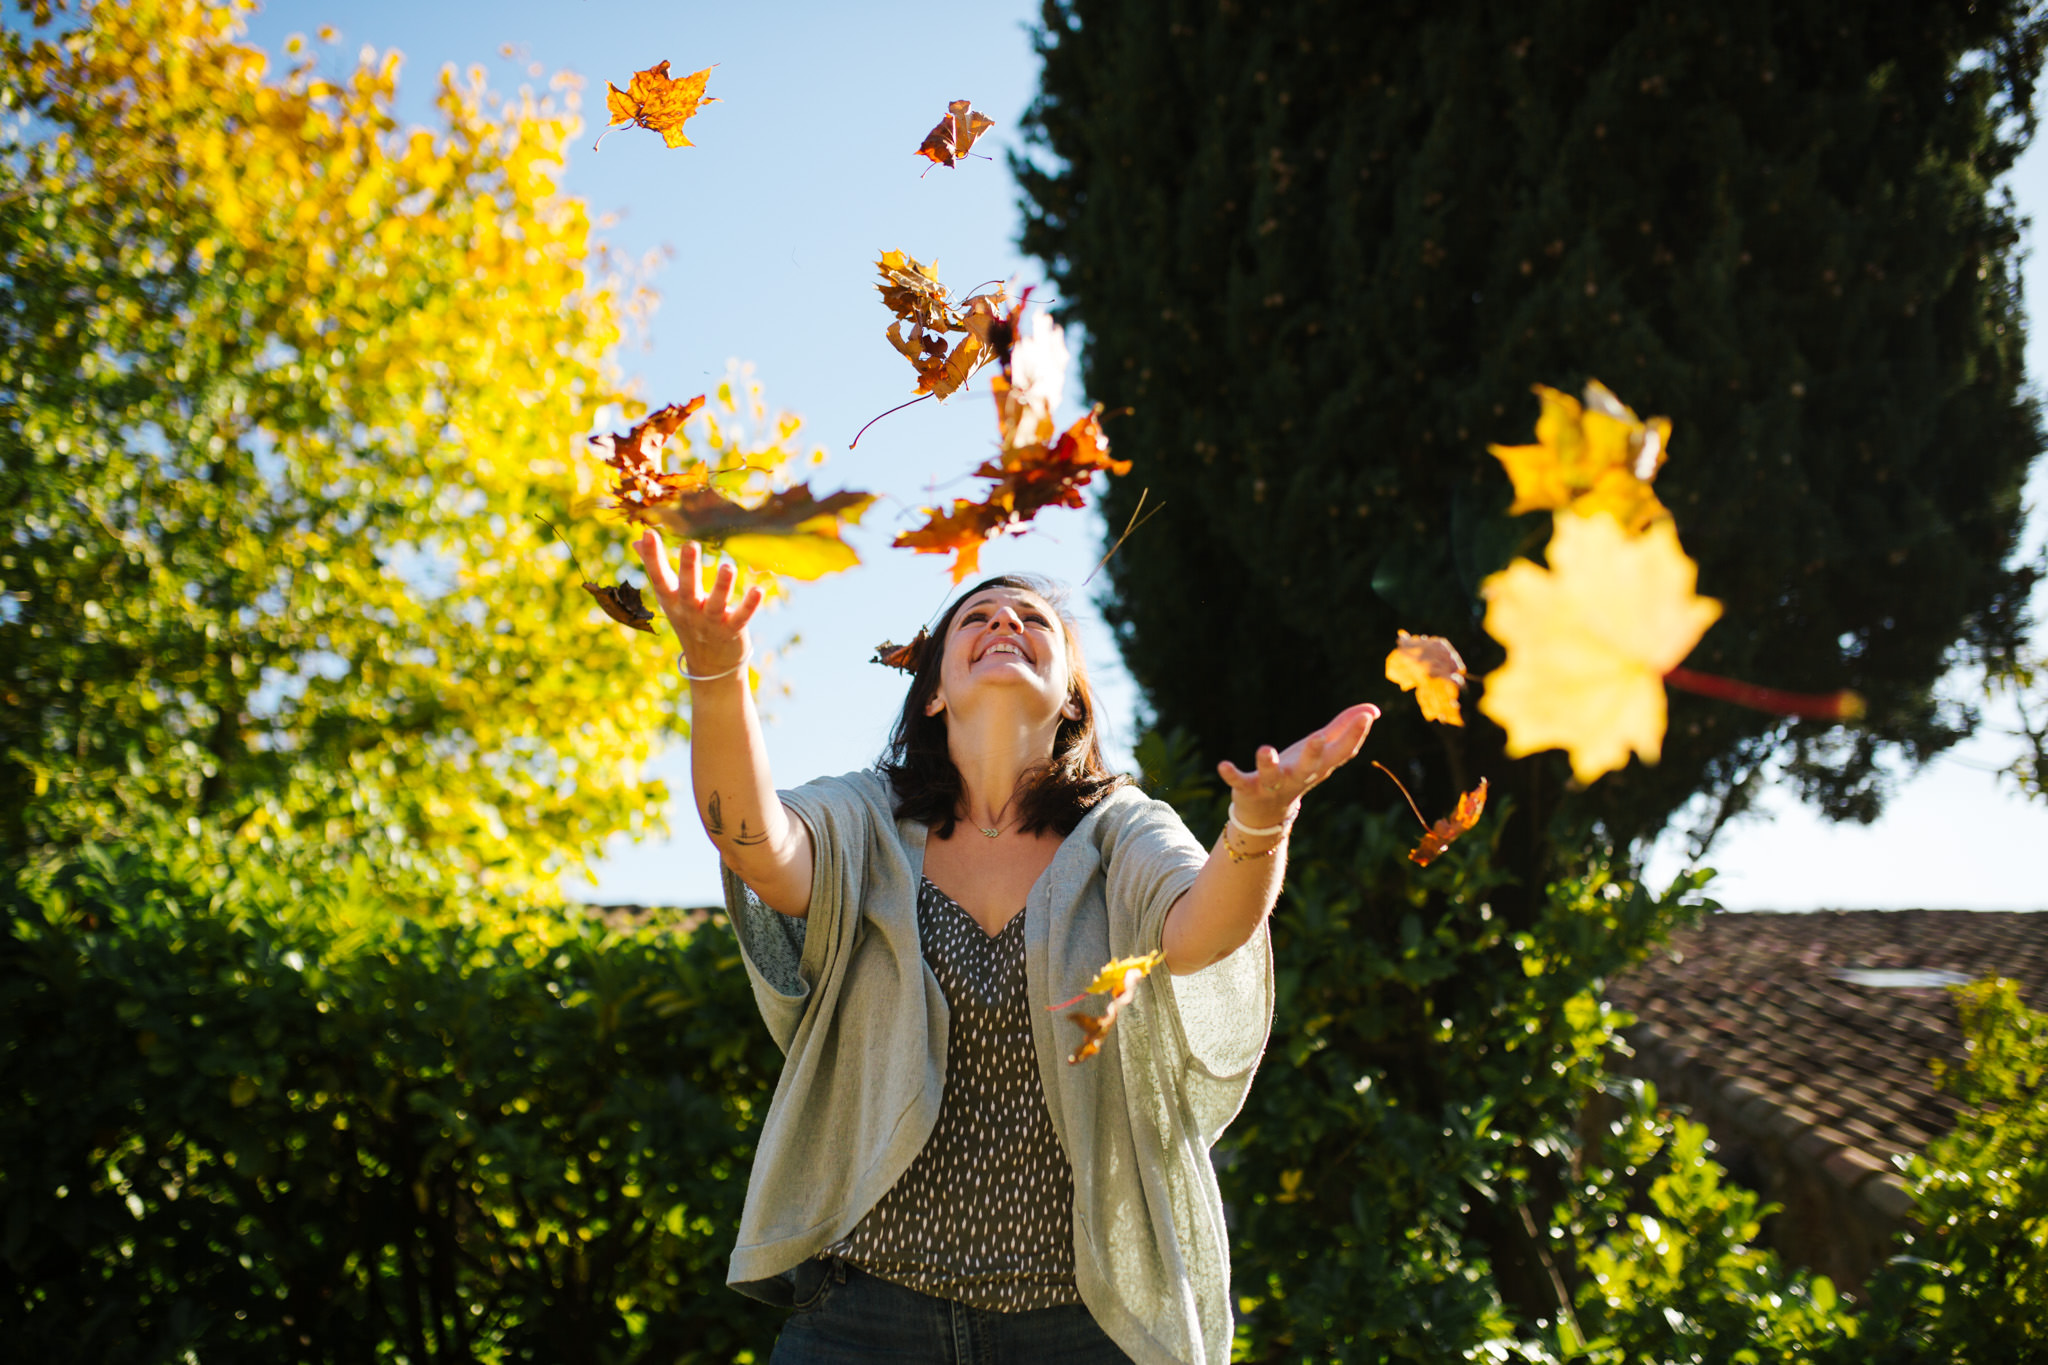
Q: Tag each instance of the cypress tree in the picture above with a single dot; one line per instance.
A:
(1320, 252)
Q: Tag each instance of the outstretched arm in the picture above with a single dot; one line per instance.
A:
(1236, 888)
(759, 840)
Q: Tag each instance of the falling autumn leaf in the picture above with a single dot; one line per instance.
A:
(906, 657)
(789, 532)
(1445, 832)
(1027, 480)
(1589, 640)
(925, 321)
(658, 102)
(1591, 456)
(623, 605)
(1034, 469)
(635, 457)
(954, 134)
(911, 290)
(1429, 666)
(1111, 977)
(1120, 976)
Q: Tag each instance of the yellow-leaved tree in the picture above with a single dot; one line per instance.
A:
(287, 387)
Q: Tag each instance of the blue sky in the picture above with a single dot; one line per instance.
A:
(800, 177)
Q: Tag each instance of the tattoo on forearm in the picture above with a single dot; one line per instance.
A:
(714, 823)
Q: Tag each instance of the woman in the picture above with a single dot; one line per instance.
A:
(933, 1181)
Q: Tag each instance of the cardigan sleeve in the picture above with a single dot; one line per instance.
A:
(1217, 1019)
(787, 956)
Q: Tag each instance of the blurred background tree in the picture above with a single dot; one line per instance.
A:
(283, 387)
(1321, 254)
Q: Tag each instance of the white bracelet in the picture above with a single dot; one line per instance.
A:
(1242, 828)
(682, 667)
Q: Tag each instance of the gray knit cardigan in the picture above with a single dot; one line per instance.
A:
(847, 996)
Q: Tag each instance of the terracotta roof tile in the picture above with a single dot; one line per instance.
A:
(1840, 1069)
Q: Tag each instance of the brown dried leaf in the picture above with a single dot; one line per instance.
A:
(906, 657)
(924, 316)
(953, 135)
(636, 456)
(623, 605)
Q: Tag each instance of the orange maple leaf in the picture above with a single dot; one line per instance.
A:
(658, 102)
(951, 137)
(1445, 832)
(1027, 480)
(1429, 666)
(961, 532)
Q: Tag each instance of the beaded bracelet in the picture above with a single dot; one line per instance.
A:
(682, 667)
(1238, 855)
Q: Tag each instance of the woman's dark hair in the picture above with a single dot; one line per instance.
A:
(1055, 796)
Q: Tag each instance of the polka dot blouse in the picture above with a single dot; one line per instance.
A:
(985, 1215)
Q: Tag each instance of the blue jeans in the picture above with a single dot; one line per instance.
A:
(845, 1316)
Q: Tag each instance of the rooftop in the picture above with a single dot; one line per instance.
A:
(1807, 1042)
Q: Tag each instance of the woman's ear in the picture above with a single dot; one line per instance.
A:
(1072, 710)
(935, 705)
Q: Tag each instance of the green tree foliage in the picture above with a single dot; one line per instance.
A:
(1321, 252)
(298, 1113)
(282, 388)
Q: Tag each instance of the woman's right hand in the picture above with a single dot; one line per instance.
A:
(712, 629)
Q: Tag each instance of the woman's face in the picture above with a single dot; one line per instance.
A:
(1004, 643)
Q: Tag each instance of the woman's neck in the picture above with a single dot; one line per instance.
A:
(992, 751)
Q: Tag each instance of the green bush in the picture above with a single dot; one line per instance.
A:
(1674, 1272)
(1971, 1281)
(249, 1117)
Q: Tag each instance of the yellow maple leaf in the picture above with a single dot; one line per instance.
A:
(1596, 456)
(1589, 640)
(655, 100)
(1429, 666)
(1111, 977)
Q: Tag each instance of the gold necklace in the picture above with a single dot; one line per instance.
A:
(1000, 827)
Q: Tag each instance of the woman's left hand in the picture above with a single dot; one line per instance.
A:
(1269, 794)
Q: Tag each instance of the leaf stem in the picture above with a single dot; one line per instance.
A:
(880, 415)
(1404, 791)
(1844, 705)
